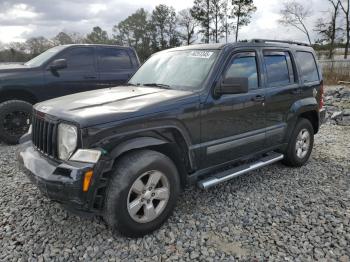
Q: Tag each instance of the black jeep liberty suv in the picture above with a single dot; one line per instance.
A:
(198, 114)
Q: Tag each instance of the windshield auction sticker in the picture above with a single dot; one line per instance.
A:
(201, 54)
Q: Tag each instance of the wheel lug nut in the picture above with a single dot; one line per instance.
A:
(150, 188)
(153, 194)
(142, 200)
(144, 191)
(148, 201)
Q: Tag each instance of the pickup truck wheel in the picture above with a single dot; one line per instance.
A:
(142, 193)
(15, 119)
(300, 145)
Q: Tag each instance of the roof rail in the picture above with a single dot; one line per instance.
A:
(278, 41)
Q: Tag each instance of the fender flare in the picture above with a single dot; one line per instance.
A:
(135, 143)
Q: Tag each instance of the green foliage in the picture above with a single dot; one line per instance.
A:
(242, 11)
(98, 36)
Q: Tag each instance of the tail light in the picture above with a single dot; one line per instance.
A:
(321, 96)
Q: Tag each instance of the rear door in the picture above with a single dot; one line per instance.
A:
(282, 90)
(80, 74)
(115, 66)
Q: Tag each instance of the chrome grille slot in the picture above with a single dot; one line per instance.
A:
(44, 135)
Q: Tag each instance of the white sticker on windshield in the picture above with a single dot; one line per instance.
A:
(201, 54)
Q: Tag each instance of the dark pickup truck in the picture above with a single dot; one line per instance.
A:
(59, 71)
(200, 114)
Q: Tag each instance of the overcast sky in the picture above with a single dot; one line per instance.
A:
(20, 20)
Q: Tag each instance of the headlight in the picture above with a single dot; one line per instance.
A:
(67, 140)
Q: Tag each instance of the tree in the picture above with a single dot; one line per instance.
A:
(327, 30)
(346, 10)
(62, 38)
(217, 13)
(97, 36)
(201, 12)
(188, 23)
(37, 45)
(295, 15)
(136, 31)
(242, 11)
(164, 21)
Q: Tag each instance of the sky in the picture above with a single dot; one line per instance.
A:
(22, 19)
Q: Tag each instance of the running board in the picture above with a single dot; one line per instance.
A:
(240, 170)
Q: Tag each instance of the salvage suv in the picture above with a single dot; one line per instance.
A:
(200, 114)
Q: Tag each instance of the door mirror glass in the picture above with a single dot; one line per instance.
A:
(233, 85)
(58, 64)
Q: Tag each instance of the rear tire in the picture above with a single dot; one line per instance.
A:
(300, 145)
(15, 119)
(142, 193)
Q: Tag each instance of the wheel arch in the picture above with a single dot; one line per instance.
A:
(168, 141)
(6, 95)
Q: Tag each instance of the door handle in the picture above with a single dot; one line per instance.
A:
(258, 98)
(90, 77)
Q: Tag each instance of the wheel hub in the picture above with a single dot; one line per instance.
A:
(148, 196)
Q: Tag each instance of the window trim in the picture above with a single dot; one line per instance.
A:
(240, 54)
(98, 57)
(292, 71)
(300, 69)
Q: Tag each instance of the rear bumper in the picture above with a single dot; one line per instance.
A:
(61, 182)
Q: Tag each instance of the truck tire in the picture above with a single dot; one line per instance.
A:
(300, 144)
(15, 119)
(142, 193)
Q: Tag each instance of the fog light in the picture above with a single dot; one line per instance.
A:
(87, 180)
(86, 156)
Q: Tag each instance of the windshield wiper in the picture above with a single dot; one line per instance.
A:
(157, 85)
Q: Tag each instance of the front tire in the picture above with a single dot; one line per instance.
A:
(300, 145)
(15, 119)
(142, 193)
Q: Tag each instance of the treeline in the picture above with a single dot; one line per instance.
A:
(149, 32)
(207, 21)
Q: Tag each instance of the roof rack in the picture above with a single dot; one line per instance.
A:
(278, 41)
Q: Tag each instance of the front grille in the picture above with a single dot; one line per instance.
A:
(44, 136)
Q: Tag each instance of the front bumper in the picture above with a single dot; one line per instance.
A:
(61, 182)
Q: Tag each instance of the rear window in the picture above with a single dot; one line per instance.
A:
(113, 59)
(279, 68)
(308, 66)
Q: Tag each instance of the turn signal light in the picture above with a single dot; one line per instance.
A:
(87, 180)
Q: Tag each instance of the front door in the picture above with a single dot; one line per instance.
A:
(80, 74)
(234, 125)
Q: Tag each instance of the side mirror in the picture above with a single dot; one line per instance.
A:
(58, 64)
(233, 85)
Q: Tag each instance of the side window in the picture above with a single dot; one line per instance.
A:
(244, 65)
(113, 59)
(79, 58)
(307, 66)
(279, 68)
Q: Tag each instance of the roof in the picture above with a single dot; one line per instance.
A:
(252, 43)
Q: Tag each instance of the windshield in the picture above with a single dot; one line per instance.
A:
(176, 69)
(43, 57)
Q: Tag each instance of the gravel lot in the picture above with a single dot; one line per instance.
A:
(276, 213)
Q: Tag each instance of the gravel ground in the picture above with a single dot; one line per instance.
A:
(276, 213)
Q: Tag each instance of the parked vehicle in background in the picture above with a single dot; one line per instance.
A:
(199, 114)
(60, 71)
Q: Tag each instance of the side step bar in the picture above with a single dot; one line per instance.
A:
(240, 170)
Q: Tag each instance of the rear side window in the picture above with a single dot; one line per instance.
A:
(79, 58)
(307, 66)
(113, 59)
(279, 68)
(244, 65)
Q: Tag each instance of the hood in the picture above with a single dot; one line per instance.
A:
(13, 67)
(113, 104)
